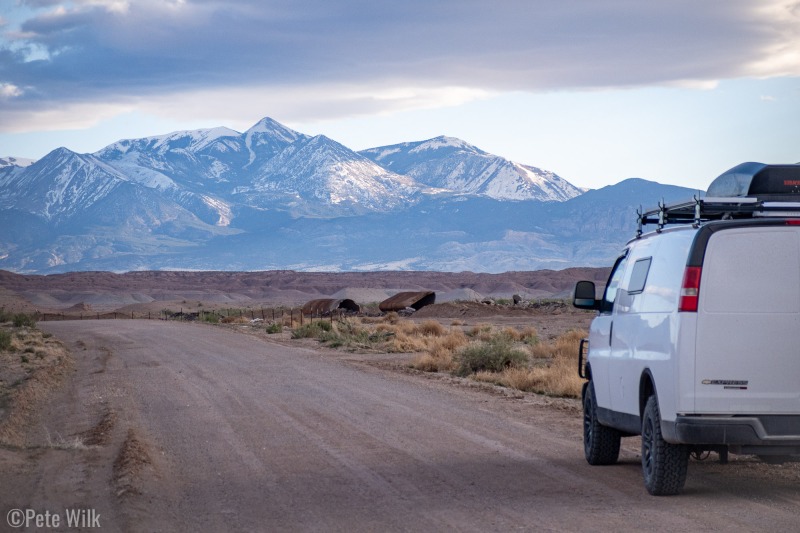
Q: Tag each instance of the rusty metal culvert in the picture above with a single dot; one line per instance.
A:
(403, 300)
(325, 306)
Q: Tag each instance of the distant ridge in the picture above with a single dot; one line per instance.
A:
(275, 198)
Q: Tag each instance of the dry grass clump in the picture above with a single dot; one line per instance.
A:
(390, 318)
(440, 353)
(511, 357)
(482, 332)
(431, 328)
(556, 373)
(563, 347)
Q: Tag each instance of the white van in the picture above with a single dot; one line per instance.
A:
(696, 346)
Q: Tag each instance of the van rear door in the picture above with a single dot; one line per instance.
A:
(748, 322)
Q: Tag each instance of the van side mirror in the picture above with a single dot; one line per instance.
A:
(583, 297)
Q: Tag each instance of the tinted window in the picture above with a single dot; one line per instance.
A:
(610, 294)
(639, 275)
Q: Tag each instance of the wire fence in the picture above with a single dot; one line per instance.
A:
(269, 314)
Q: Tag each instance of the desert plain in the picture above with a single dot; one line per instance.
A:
(164, 425)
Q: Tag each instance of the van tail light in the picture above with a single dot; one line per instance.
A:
(690, 289)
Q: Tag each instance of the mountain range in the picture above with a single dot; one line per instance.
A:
(274, 198)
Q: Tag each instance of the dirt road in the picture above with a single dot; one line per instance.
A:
(200, 428)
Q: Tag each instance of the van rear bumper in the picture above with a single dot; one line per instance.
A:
(750, 430)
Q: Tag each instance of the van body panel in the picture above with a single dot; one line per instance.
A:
(646, 321)
(728, 374)
(599, 352)
(684, 363)
(748, 323)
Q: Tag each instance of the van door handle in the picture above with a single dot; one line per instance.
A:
(610, 333)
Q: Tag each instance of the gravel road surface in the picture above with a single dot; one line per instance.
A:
(201, 428)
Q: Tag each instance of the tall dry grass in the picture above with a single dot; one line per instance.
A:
(554, 370)
(511, 357)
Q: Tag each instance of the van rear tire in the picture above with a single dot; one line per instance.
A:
(664, 465)
(600, 443)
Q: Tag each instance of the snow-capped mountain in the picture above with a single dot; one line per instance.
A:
(320, 173)
(268, 166)
(452, 164)
(274, 198)
(60, 185)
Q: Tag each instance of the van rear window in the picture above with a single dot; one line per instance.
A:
(639, 275)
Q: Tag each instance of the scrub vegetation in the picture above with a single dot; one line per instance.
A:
(506, 356)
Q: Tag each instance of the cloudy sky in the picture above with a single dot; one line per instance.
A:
(675, 91)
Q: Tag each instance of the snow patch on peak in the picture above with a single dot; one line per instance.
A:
(268, 125)
(442, 142)
(378, 154)
(271, 133)
(196, 139)
(12, 161)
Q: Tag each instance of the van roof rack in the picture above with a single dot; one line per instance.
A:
(747, 190)
(700, 210)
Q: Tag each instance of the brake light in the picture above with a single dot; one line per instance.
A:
(793, 222)
(690, 289)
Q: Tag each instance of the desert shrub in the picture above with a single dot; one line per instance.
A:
(494, 355)
(5, 316)
(405, 339)
(483, 332)
(211, 318)
(556, 373)
(312, 330)
(351, 334)
(440, 353)
(23, 320)
(274, 327)
(427, 363)
(5, 340)
(391, 318)
(431, 328)
(563, 347)
(529, 335)
(512, 333)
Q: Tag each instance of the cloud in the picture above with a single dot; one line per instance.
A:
(350, 56)
(8, 90)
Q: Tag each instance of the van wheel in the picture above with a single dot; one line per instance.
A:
(600, 443)
(664, 465)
